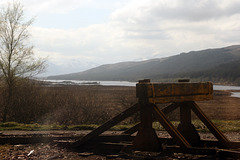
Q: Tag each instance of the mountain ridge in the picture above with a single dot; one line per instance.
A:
(160, 68)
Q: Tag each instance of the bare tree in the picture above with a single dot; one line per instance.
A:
(17, 59)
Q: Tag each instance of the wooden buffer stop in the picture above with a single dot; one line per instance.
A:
(177, 95)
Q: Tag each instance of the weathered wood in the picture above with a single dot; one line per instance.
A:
(146, 138)
(170, 108)
(18, 139)
(177, 136)
(184, 80)
(132, 129)
(213, 129)
(165, 110)
(225, 154)
(120, 117)
(174, 92)
(183, 95)
(113, 138)
(193, 150)
(186, 127)
(158, 100)
(234, 145)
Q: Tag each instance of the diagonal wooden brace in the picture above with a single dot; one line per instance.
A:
(166, 110)
(117, 119)
(213, 129)
(177, 136)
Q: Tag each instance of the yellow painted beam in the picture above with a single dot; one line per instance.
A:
(174, 92)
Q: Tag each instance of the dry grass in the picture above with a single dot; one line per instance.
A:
(76, 105)
(222, 107)
(70, 105)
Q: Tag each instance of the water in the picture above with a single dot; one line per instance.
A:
(104, 83)
(126, 83)
(235, 94)
(225, 88)
(220, 87)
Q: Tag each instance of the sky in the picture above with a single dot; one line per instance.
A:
(109, 31)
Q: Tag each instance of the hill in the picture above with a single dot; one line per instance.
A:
(205, 64)
(224, 73)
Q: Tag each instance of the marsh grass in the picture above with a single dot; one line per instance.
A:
(69, 105)
(87, 107)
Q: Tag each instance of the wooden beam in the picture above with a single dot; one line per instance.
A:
(165, 110)
(120, 117)
(177, 136)
(170, 108)
(158, 100)
(174, 92)
(132, 129)
(213, 129)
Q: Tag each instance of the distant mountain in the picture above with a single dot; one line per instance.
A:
(204, 64)
(69, 66)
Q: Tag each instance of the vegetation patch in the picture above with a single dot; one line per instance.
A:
(222, 125)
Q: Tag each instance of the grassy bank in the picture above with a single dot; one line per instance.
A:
(223, 125)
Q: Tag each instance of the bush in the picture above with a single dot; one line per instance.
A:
(9, 124)
(68, 105)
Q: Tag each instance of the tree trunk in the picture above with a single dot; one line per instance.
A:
(7, 103)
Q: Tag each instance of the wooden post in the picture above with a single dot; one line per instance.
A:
(186, 127)
(146, 139)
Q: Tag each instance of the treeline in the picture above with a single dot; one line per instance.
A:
(67, 105)
(227, 73)
(224, 73)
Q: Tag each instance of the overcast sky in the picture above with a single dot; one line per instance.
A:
(109, 31)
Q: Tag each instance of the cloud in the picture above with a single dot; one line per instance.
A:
(139, 29)
(53, 6)
(188, 10)
(180, 22)
(63, 6)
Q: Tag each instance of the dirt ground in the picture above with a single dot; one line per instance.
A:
(48, 151)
